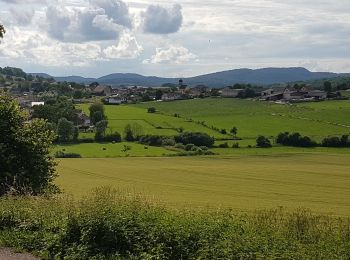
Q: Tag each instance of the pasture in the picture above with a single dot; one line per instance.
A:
(253, 118)
(319, 182)
(105, 150)
(157, 124)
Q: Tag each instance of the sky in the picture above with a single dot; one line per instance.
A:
(93, 38)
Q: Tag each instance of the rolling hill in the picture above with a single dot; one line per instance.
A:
(265, 76)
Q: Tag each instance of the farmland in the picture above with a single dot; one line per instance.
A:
(242, 178)
(254, 118)
(245, 182)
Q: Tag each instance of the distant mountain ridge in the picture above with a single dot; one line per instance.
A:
(265, 76)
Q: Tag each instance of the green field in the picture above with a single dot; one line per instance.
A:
(158, 124)
(317, 181)
(105, 150)
(244, 178)
(253, 118)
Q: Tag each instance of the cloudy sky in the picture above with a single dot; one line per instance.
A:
(177, 39)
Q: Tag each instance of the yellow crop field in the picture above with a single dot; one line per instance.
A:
(320, 182)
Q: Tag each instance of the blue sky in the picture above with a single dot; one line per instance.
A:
(176, 39)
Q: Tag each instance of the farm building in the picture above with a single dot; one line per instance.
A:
(291, 94)
(230, 93)
(115, 100)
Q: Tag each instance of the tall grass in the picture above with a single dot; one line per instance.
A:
(111, 225)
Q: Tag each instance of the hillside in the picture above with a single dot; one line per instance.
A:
(266, 76)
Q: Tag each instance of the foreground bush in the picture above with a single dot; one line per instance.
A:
(107, 225)
(26, 164)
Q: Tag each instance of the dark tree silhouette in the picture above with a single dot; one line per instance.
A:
(2, 31)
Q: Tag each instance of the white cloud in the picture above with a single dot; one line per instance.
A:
(161, 20)
(22, 17)
(36, 48)
(127, 48)
(102, 20)
(172, 54)
(225, 34)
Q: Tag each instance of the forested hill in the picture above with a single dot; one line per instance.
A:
(261, 77)
(266, 76)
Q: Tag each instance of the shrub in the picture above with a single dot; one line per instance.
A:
(179, 146)
(224, 145)
(86, 140)
(204, 148)
(196, 138)
(168, 142)
(151, 110)
(336, 141)
(294, 139)
(188, 147)
(114, 137)
(61, 154)
(223, 131)
(157, 140)
(263, 142)
(111, 225)
(132, 132)
(235, 145)
(195, 149)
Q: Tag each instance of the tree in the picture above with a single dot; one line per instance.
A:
(159, 94)
(151, 110)
(26, 165)
(97, 117)
(76, 134)
(327, 86)
(233, 131)
(198, 139)
(263, 142)
(97, 107)
(2, 31)
(65, 130)
(101, 128)
(55, 109)
(132, 132)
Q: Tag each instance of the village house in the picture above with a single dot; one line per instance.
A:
(115, 100)
(102, 91)
(197, 91)
(317, 94)
(37, 103)
(230, 92)
(171, 96)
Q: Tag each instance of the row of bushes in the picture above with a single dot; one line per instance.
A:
(297, 140)
(196, 138)
(110, 225)
(62, 154)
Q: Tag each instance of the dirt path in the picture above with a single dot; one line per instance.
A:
(9, 254)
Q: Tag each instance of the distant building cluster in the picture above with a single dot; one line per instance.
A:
(292, 94)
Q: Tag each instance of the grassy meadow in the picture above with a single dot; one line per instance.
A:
(253, 118)
(107, 150)
(246, 182)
